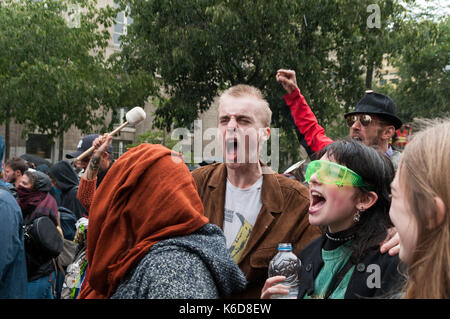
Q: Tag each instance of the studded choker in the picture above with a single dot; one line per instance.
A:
(339, 239)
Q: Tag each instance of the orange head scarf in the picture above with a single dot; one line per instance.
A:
(147, 195)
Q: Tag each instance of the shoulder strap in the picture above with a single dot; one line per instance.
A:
(338, 278)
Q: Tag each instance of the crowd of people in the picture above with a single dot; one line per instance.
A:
(144, 226)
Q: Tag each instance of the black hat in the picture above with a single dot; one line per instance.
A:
(379, 104)
(84, 144)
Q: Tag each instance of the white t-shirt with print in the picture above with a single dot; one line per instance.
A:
(242, 207)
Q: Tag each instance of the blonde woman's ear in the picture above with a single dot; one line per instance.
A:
(440, 213)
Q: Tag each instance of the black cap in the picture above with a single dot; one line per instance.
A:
(84, 144)
(378, 104)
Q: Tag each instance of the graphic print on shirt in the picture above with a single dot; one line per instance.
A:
(242, 207)
(238, 246)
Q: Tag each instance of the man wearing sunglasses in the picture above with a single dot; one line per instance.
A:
(373, 121)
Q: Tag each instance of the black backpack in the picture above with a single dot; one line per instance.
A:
(43, 241)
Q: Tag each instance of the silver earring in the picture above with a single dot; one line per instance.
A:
(356, 216)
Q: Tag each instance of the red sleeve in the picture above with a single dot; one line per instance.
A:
(306, 121)
(86, 191)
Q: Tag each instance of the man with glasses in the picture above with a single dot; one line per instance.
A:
(373, 122)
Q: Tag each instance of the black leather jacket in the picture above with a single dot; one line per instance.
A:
(358, 286)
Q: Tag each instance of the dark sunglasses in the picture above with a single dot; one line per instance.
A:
(364, 119)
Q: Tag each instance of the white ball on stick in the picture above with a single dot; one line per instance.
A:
(134, 116)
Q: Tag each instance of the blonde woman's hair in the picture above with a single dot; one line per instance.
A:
(244, 90)
(425, 174)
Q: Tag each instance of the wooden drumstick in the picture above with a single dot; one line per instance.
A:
(133, 116)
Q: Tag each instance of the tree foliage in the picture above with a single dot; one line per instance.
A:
(201, 47)
(422, 57)
(54, 75)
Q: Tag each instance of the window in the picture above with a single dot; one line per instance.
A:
(122, 22)
(120, 117)
(40, 145)
(119, 147)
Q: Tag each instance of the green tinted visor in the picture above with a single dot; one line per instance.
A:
(332, 173)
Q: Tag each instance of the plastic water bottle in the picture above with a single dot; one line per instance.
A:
(285, 263)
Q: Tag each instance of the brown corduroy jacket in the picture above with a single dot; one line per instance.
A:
(283, 219)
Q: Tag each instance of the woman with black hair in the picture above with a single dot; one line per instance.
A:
(350, 200)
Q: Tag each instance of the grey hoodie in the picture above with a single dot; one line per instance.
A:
(196, 266)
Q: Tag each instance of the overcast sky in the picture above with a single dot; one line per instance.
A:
(437, 7)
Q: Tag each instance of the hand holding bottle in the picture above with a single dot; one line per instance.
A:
(273, 286)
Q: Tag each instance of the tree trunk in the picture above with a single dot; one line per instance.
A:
(7, 136)
(369, 75)
(61, 147)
